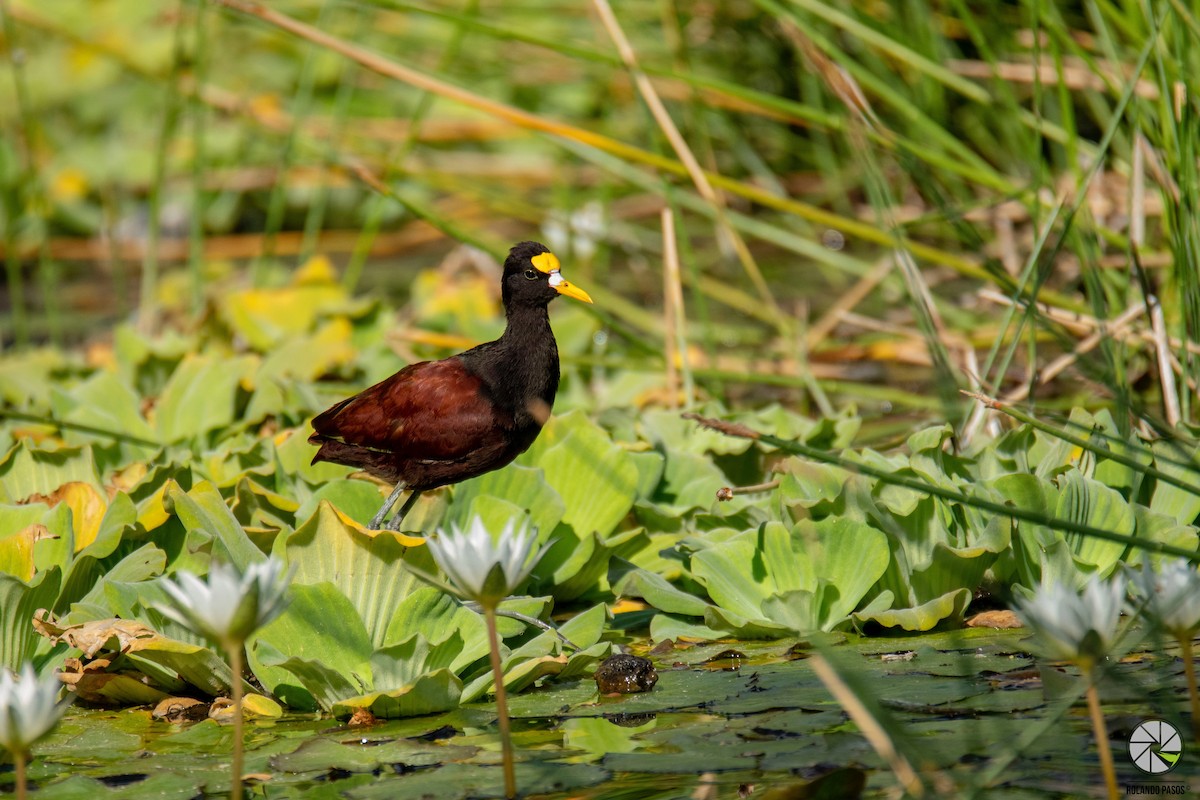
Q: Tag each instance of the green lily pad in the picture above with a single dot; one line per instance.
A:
(321, 754)
(428, 694)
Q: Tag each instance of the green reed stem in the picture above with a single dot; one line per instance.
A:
(1087, 444)
(894, 479)
(276, 205)
(147, 303)
(395, 161)
(199, 114)
(29, 188)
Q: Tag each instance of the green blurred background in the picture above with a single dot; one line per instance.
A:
(884, 180)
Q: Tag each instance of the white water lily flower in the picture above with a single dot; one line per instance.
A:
(1074, 626)
(232, 604)
(1172, 595)
(29, 708)
(482, 568)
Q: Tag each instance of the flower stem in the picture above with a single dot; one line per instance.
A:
(510, 778)
(1189, 671)
(235, 666)
(19, 766)
(1106, 761)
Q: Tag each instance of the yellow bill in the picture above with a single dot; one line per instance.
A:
(548, 263)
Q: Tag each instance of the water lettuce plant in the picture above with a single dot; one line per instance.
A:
(768, 582)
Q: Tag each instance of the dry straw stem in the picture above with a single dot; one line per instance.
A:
(1117, 328)
(863, 121)
(1137, 193)
(686, 157)
(851, 227)
(837, 79)
(1072, 74)
(1085, 324)
(671, 311)
(1072, 321)
(861, 289)
(1166, 374)
(870, 728)
(1093, 340)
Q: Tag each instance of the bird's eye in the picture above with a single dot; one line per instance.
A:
(531, 274)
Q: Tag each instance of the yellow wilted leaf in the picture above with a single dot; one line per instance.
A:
(464, 297)
(16, 551)
(68, 184)
(254, 706)
(265, 317)
(100, 355)
(152, 512)
(80, 59)
(625, 605)
(129, 477)
(267, 107)
(905, 351)
(317, 271)
(448, 341)
(87, 510)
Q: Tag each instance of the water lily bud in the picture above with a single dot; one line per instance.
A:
(231, 605)
(481, 568)
(1074, 626)
(29, 708)
(1172, 595)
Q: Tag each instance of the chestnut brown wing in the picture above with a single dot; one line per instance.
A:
(432, 410)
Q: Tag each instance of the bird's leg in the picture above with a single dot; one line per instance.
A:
(404, 509)
(377, 520)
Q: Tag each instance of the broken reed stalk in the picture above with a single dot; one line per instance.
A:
(1162, 352)
(727, 493)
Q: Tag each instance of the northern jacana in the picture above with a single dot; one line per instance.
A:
(435, 423)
